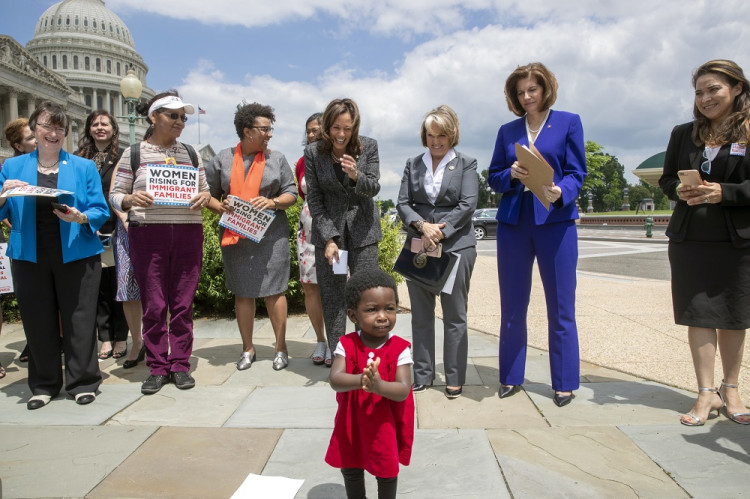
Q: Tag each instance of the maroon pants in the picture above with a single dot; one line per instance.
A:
(167, 264)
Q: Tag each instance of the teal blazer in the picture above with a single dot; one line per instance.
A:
(78, 175)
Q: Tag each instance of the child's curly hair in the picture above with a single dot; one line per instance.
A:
(364, 280)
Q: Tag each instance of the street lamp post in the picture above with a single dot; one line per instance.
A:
(590, 207)
(131, 89)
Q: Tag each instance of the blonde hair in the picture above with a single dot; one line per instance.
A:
(445, 119)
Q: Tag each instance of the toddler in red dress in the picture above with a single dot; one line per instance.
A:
(374, 426)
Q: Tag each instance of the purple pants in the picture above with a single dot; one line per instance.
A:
(167, 262)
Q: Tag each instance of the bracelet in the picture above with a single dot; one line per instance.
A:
(276, 203)
(82, 219)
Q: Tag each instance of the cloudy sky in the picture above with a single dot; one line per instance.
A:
(625, 67)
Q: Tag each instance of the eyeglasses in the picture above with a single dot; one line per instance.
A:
(176, 116)
(263, 129)
(706, 165)
(57, 129)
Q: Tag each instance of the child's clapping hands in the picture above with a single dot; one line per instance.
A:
(371, 377)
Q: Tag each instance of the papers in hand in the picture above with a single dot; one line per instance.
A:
(246, 220)
(540, 172)
(33, 190)
(342, 266)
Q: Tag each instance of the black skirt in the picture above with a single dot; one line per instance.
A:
(710, 284)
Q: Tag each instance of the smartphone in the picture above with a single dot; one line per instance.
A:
(60, 207)
(690, 177)
(416, 247)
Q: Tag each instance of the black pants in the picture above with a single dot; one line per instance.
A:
(52, 294)
(354, 482)
(110, 317)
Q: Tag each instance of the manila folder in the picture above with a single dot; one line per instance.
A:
(540, 172)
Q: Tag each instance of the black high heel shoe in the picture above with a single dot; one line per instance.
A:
(508, 390)
(132, 363)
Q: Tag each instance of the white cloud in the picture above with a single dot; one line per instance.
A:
(624, 67)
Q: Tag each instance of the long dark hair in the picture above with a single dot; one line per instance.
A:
(87, 144)
(736, 128)
(336, 108)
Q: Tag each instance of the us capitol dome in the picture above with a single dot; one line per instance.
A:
(78, 55)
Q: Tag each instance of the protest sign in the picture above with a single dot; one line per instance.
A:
(33, 190)
(172, 184)
(246, 220)
(6, 281)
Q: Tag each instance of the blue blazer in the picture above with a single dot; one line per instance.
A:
(78, 175)
(561, 144)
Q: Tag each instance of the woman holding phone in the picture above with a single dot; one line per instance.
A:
(707, 171)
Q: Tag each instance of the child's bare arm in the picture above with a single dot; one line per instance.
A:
(340, 380)
(396, 390)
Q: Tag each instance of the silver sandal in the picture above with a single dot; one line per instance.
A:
(318, 356)
(737, 415)
(696, 421)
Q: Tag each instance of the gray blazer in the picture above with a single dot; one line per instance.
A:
(336, 207)
(454, 205)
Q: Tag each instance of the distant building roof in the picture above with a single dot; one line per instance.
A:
(655, 161)
(650, 170)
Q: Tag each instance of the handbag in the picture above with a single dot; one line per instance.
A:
(430, 273)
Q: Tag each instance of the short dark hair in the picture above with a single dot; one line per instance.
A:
(364, 280)
(246, 114)
(334, 109)
(543, 77)
(56, 113)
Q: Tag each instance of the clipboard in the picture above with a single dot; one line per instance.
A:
(540, 172)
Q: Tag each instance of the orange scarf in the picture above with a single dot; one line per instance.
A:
(244, 187)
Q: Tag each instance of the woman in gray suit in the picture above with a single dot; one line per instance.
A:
(263, 177)
(437, 199)
(343, 173)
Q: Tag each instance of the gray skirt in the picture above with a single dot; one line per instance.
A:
(255, 270)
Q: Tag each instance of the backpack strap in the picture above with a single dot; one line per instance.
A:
(135, 157)
(191, 152)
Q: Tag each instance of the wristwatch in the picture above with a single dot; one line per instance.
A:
(276, 203)
(419, 225)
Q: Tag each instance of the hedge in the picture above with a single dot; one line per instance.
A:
(213, 299)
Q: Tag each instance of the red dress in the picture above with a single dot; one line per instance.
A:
(370, 431)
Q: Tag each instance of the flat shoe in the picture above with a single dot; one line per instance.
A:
(563, 400)
(153, 384)
(328, 359)
(508, 390)
(280, 361)
(419, 387)
(37, 401)
(85, 398)
(453, 394)
(24, 357)
(318, 356)
(183, 380)
(245, 361)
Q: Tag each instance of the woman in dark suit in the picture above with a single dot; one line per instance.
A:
(436, 201)
(100, 143)
(55, 259)
(709, 234)
(527, 230)
(342, 170)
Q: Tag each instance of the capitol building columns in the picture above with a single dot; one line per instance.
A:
(78, 55)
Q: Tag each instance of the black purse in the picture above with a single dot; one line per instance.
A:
(428, 272)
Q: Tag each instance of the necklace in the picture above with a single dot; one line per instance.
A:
(335, 159)
(528, 125)
(45, 167)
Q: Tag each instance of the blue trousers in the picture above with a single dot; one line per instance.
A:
(555, 247)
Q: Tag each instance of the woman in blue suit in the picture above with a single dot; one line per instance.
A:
(528, 230)
(55, 259)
